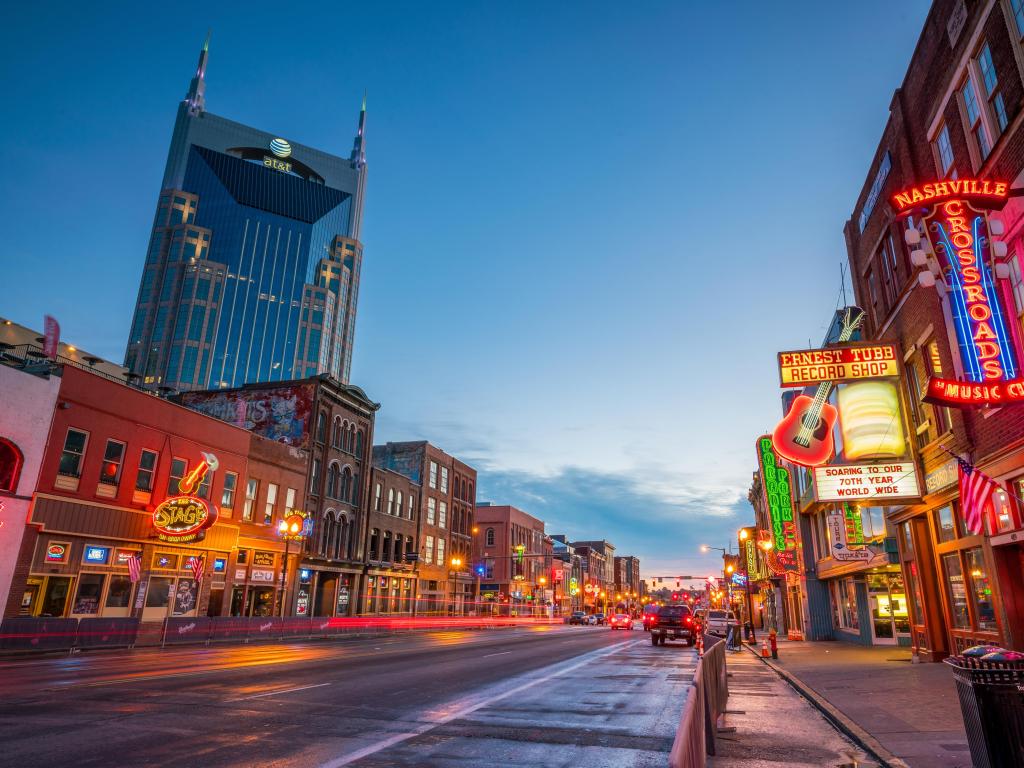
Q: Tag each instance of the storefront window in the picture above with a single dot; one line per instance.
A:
(914, 591)
(955, 588)
(851, 604)
(159, 593)
(908, 540)
(981, 590)
(120, 592)
(90, 587)
(945, 525)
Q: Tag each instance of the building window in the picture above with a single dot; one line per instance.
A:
(440, 551)
(178, 469)
(1017, 283)
(982, 597)
(877, 313)
(431, 511)
(391, 501)
(73, 454)
(1018, 14)
(385, 552)
(321, 426)
(268, 509)
(147, 471)
(944, 150)
(974, 121)
(10, 466)
(252, 488)
(954, 576)
(428, 556)
(227, 497)
(433, 474)
(203, 489)
(333, 481)
(398, 505)
(991, 80)
(942, 416)
(489, 537)
(376, 498)
(945, 524)
(444, 479)
(289, 501)
(442, 514)
(412, 503)
(314, 478)
(113, 458)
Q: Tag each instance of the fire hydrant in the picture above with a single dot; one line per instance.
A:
(773, 641)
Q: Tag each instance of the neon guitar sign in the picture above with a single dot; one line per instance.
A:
(804, 436)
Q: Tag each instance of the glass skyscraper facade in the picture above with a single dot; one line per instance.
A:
(252, 272)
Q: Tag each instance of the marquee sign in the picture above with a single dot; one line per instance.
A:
(779, 501)
(848, 363)
(958, 231)
(185, 518)
(866, 482)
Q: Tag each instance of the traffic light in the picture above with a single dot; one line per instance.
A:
(675, 596)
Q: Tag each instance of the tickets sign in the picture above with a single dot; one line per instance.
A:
(849, 363)
(866, 482)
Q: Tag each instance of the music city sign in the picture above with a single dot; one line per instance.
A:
(958, 231)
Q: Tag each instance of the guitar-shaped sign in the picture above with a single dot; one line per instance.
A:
(804, 436)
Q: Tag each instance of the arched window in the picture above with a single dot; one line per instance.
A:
(385, 551)
(398, 549)
(471, 498)
(398, 505)
(359, 443)
(356, 491)
(490, 537)
(391, 501)
(346, 484)
(10, 465)
(336, 432)
(374, 544)
(351, 447)
(321, 426)
(333, 478)
(465, 496)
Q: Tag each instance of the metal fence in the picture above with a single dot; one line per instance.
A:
(705, 704)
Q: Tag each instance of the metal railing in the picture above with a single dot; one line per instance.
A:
(705, 704)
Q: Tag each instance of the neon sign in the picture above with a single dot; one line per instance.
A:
(961, 233)
(962, 394)
(185, 518)
(813, 366)
(779, 501)
(991, 194)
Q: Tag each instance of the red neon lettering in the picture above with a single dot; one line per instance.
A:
(983, 188)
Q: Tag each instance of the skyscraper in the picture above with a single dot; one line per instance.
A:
(252, 272)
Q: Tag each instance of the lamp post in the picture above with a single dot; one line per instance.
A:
(291, 527)
(541, 581)
(456, 563)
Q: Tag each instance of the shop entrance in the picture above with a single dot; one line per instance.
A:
(259, 601)
(170, 596)
(324, 601)
(54, 600)
(887, 601)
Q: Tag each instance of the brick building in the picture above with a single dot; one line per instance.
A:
(516, 556)
(392, 533)
(113, 455)
(957, 115)
(599, 566)
(332, 423)
(445, 522)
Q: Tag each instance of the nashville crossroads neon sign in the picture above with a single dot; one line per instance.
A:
(986, 350)
(982, 191)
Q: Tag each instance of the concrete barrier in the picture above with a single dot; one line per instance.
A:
(705, 704)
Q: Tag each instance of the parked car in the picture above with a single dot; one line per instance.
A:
(620, 621)
(672, 622)
(649, 612)
(717, 622)
(578, 617)
(599, 618)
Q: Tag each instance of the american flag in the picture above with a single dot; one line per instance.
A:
(975, 496)
(196, 564)
(135, 566)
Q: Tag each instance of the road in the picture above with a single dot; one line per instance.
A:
(538, 696)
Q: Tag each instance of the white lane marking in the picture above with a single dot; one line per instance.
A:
(487, 655)
(466, 706)
(276, 693)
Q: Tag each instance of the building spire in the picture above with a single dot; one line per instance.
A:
(358, 156)
(196, 97)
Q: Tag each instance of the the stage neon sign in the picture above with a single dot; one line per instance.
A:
(961, 233)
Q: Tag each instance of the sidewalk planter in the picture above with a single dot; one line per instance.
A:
(992, 702)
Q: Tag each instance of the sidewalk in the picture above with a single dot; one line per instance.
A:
(911, 710)
(768, 724)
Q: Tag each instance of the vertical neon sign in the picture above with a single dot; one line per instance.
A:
(779, 500)
(961, 233)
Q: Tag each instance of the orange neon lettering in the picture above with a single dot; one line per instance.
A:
(953, 208)
(983, 332)
(962, 239)
(992, 368)
(979, 312)
(987, 349)
(970, 273)
(974, 292)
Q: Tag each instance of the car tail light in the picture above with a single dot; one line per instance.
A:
(689, 620)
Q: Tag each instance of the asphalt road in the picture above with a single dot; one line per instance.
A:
(398, 700)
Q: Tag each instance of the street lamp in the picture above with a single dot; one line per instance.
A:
(291, 528)
(456, 563)
(541, 582)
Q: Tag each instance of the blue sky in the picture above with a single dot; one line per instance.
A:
(589, 225)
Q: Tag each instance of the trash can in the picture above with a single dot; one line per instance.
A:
(992, 702)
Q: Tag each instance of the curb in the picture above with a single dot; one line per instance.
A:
(858, 735)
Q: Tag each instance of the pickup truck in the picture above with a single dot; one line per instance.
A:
(672, 622)
(717, 622)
